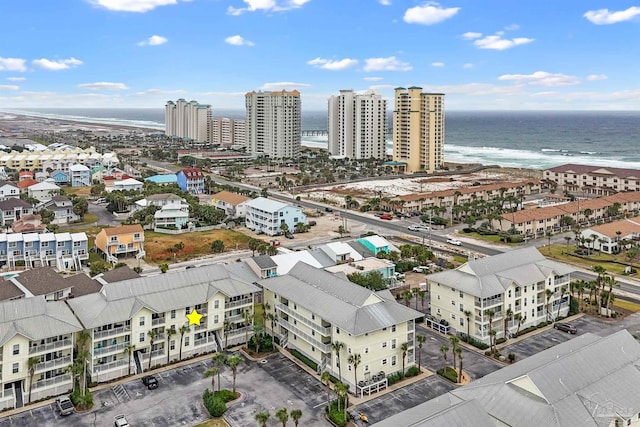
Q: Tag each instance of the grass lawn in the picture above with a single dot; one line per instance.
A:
(160, 247)
(89, 219)
(80, 191)
(627, 305)
(216, 422)
(561, 253)
(487, 238)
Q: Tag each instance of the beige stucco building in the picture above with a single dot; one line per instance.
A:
(595, 180)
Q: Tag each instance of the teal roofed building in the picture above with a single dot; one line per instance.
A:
(163, 179)
(376, 244)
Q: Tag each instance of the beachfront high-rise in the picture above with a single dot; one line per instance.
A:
(357, 124)
(187, 120)
(273, 123)
(418, 130)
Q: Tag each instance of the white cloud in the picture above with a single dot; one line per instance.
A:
(16, 79)
(154, 40)
(238, 41)
(61, 64)
(596, 77)
(160, 92)
(468, 65)
(283, 85)
(542, 78)
(140, 6)
(9, 87)
(373, 79)
(496, 42)
(512, 27)
(103, 86)
(12, 64)
(606, 17)
(437, 64)
(337, 65)
(385, 2)
(266, 6)
(390, 63)
(471, 35)
(428, 14)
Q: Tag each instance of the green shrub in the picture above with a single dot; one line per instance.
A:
(449, 373)
(304, 359)
(82, 402)
(394, 378)
(215, 405)
(501, 340)
(574, 307)
(265, 343)
(335, 415)
(474, 342)
(512, 357)
(225, 395)
(412, 371)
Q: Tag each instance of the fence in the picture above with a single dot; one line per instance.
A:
(188, 230)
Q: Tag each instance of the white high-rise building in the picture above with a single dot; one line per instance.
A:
(187, 120)
(357, 124)
(274, 123)
(228, 132)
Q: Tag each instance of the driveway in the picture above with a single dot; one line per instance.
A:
(104, 216)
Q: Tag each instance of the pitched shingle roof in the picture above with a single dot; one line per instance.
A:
(119, 274)
(229, 197)
(41, 281)
(124, 229)
(10, 204)
(596, 170)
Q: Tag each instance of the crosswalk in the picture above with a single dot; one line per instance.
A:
(121, 393)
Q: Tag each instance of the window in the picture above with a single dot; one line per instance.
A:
(141, 336)
(186, 341)
(453, 316)
(366, 368)
(393, 328)
(172, 345)
(16, 349)
(44, 244)
(461, 321)
(114, 238)
(438, 296)
(384, 361)
(216, 319)
(16, 368)
(393, 343)
(384, 344)
(338, 331)
(216, 304)
(393, 360)
(173, 314)
(12, 244)
(453, 302)
(60, 244)
(366, 350)
(136, 235)
(461, 308)
(141, 320)
(461, 294)
(76, 244)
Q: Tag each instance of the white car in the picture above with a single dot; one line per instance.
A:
(454, 242)
(413, 228)
(120, 421)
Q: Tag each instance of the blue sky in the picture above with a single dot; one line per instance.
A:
(484, 55)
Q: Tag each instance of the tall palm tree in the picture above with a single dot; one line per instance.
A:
(507, 316)
(262, 418)
(416, 294)
(273, 318)
(490, 313)
(282, 416)
(326, 379)
(492, 340)
(296, 414)
(406, 296)
(152, 337)
(611, 281)
(247, 317)
(355, 359)
(342, 390)
(219, 359)
(444, 349)
(337, 346)
(226, 328)
(404, 348)
(212, 372)
(183, 330)
(454, 346)
(467, 314)
(31, 366)
(170, 333)
(518, 318)
(459, 353)
(129, 349)
(548, 293)
(233, 361)
(421, 340)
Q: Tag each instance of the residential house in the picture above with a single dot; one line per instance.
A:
(9, 190)
(43, 281)
(589, 381)
(116, 275)
(80, 175)
(55, 158)
(166, 179)
(611, 237)
(161, 200)
(30, 223)
(496, 289)
(34, 328)
(316, 309)
(26, 183)
(22, 175)
(62, 208)
(125, 185)
(64, 251)
(124, 240)
(61, 177)
(594, 180)
(174, 216)
(268, 216)
(191, 180)
(43, 191)
(148, 312)
(232, 203)
(132, 172)
(41, 176)
(385, 267)
(12, 210)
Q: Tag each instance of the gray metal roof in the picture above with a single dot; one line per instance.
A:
(265, 261)
(490, 276)
(461, 414)
(36, 319)
(121, 300)
(351, 307)
(587, 381)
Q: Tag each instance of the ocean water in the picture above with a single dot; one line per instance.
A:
(529, 139)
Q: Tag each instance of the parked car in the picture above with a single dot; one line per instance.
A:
(100, 201)
(328, 210)
(190, 266)
(565, 327)
(150, 382)
(420, 269)
(64, 405)
(454, 242)
(312, 223)
(120, 421)
(414, 228)
(387, 217)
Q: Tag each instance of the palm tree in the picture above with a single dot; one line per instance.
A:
(247, 317)
(170, 332)
(129, 349)
(406, 296)
(467, 314)
(404, 348)
(152, 337)
(219, 359)
(518, 318)
(212, 372)
(416, 294)
(342, 390)
(459, 353)
(444, 349)
(273, 318)
(421, 340)
(492, 339)
(490, 313)
(183, 330)
(31, 365)
(262, 418)
(337, 346)
(454, 345)
(326, 379)
(226, 328)
(282, 416)
(296, 414)
(508, 316)
(233, 361)
(563, 291)
(611, 281)
(355, 359)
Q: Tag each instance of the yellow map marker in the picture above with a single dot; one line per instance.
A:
(194, 317)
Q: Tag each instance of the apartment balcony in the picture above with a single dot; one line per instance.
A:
(158, 321)
(53, 364)
(116, 348)
(122, 330)
(158, 353)
(234, 304)
(60, 379)
(325, 348)
(320, 329)
(518, 294)
(47, 348)
(235, 318)
(410, 339)
(205, 340)
(103, 367)
(489, 303)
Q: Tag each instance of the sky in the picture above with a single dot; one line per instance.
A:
(483, 55)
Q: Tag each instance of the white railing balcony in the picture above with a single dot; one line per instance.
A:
(325, 348)
(111, 365)
(238, 303)
(46, 348)
(205, 340)
(240, 331)
(116, 348)
(234, 318)
(158, 321)
(53, 364)
(157, 353)
(60, 379)
(111, 332)
(310, 323)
